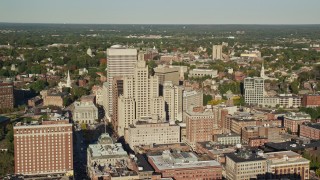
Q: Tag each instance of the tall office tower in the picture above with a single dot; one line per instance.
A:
(43, 148)
(117, 91)
(140, 98)
(121, 62)
(254, 90)
(217, 52)
(173, 98)
(6, 95)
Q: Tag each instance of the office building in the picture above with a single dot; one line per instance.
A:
(148, 131)
(244, 165)
(173, 98)
(286, 164)
(184, 165)
(43, 147)
(217, 52)
(192, 98)
(140, 98)
(85, 112)
(254, 90)
(121, 62)
(117, 91)
(6, 95)
(198, 73)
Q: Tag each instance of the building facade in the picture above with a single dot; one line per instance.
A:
(293, 120)
(6, 95)
(173, 98)
(227, 139)
(217, 52)
(310, 130)
(43, 148)
(311, 100)
(184, 165)
(149, 132)
(243, 166)
(85, 112)
(121, 62)
(140, 98)
(287, 164)
(167, 74)
(203, 72)
(254, 90)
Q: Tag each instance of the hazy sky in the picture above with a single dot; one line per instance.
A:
(161, 11)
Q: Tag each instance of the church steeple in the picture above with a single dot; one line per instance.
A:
(68, 80)
(262, 71)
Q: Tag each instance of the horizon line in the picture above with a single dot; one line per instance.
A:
(56, 23)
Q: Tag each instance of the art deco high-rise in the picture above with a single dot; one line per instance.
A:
(121, 62)
(140, 98)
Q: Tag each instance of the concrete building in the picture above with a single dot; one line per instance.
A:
(310, 130)
(192, 98)
(121, 62)
(184, 165)
(104, 153)
(244, 165)
(200, 125)
(43, 148)
(293, 120)
(117, 91)
(6, 95)
(311, 100)
(167, 74)
(148, 131)
(173, 98)
(227, 139)
(254, 90)
(198, 73)
(98, 93)
(287, 164)
(85, 112)
(140, 98)
(217, 52)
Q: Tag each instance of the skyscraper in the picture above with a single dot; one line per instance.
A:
(121, 62)
(217, 52)
(140, 98)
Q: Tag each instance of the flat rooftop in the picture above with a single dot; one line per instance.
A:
(181, 160)
(313, 125)
(244, 156)
(106, 150)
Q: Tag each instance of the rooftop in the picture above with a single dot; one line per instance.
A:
(313, 125)
(285, 157)
(180, 160)
(297, 116)
(245, 156)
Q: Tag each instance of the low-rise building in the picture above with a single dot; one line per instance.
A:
(105, 153)
(289, 101)
(287, 164)
(203, 72)
(311, 100)
(214, 150)
(85, 112)
(184, 165)
(257, 141)
(228, 139)
(310, 130)
(244, 165)
(52, 98)
(148, 131)
(292, 121)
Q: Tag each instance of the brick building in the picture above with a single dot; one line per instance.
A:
(6, 95)
(311, 100)
(293, 120)
(310, 130)
(43, 147)
(184, 165)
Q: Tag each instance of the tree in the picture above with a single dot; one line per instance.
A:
(206, 99)
(294, 87)
(39, 85)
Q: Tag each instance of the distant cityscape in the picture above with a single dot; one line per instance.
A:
(159, 102)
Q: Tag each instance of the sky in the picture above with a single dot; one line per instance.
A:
(161, 11)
